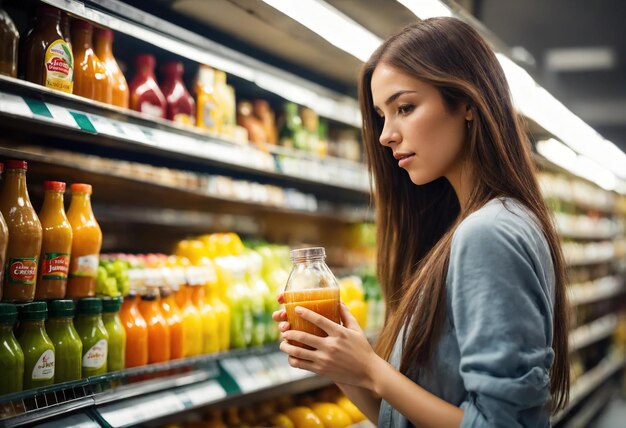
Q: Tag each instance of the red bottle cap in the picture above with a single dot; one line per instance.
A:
(17, 164)
(79, 24)
(145, 61)
(81, 188)
(173, 68)
(57, 186)
(103, 33)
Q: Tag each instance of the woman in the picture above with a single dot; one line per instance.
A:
(468, 257)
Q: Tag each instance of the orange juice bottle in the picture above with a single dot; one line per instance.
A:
(91, 78)
(159, 338)
(174, 318)
(86, 244)
(210, 341)
(103, 41)
(54, 262)
(313, 286)
(136, 332)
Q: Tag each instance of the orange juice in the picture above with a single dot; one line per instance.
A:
(324, 301)
(174, 318)
(159, 341)
(210, 340)
(136, 333)
(192, 322)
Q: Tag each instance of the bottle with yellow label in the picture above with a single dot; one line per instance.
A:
(208, 109)
(47, 56)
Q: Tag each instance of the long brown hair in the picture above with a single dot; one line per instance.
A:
(415, 224)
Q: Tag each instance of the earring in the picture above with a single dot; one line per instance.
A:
(469, 124)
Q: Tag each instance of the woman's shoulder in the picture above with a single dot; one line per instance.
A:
(500, 216)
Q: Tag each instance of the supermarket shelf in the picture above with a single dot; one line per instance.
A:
(120, 188)
(594, 331)
(590, 381)
(35, 109)
(592, 260)
(600, 289)
(150, 29)
(585, 415)
(146, 393)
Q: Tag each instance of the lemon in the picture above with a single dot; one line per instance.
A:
(303, 417)
(281, 421)
(332, 415)
(358, 309)
(352, 410)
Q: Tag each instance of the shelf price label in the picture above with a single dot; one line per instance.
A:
(203, 393)
(135, 411)
(12, 104)
(238, 371)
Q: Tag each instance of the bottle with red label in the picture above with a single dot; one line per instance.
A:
(145, 94)
(56, 246)
(25, 235)
(86, 244)
(181, 107)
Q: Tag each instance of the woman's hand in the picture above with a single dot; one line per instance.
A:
(280, 316)
(345, 356)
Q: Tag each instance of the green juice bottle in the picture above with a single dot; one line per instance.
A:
(39, 355)
(67, 344)
(11, 355)
(94, 336)
(117, 334)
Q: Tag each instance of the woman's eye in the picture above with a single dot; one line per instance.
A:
(405, 109)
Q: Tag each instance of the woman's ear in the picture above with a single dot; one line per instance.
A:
(469, 113)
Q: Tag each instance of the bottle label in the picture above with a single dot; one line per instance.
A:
(44, 368)
(55, 266)
(22, 271)
(151, 109)
(85, 266)
(96, 356)
(59, 64)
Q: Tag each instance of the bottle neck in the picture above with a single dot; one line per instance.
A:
(60, 320)
(6, 329)
(53, 201)
(146, 72)
(82, 38)
(91, 318)
(47, 20)
(103, 47)
(15, 179)
(32, 325)
(82, 202)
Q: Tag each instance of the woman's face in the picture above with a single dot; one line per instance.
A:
(425, 137)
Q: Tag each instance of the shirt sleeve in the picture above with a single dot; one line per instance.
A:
(502, 315)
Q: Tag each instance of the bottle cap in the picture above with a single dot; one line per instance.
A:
(35, 311)
(8, 313)
(112, 305)
(90, 306)
(173, 67)
(61, 308)
(79, 24)
(57, 186)
(17, 164)
(307, 253)
(103, 33)
(145, 61)
(81, 188)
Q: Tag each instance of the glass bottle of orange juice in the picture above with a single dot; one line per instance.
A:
(86, 244)
(54, 262)
(311, 285)
(136, 332)
(159, 338)
(172, 313)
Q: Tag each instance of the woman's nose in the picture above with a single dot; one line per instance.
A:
(389, 135)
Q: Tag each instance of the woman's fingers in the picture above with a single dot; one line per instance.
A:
(284, 326)
(308, 339)
(319, 320)
(279, 315)
(347, 319)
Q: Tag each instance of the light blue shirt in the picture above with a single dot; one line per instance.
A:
(495, 353)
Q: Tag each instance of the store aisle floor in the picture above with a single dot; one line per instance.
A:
(612, 416)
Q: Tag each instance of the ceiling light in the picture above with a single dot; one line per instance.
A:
(330, 24)
(425, 9)
(580, 59)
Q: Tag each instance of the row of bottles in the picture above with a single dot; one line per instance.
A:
(51, 255)
(74, 56)
(63, 348)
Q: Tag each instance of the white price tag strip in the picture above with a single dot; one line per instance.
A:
(204, 393)
(258, 370)
(238, 371)
(15, 105)
(135, 411)
(62, 116)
